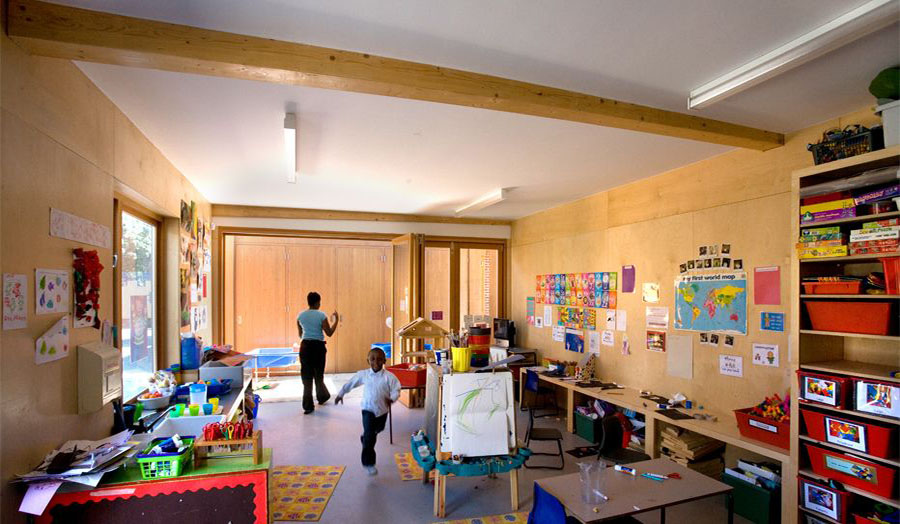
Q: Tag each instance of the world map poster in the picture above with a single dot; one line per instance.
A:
(712, 303)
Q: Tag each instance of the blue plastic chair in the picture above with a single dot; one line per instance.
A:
(547, 509)
(533, 386)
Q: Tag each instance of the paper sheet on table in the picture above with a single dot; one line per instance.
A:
(38, 496)
(680, 356)
(767, 285)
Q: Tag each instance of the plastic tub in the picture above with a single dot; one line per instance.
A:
(198, 394)
(813, 496)
(891, 274)
(852, 470)
(871, 318)
(165, 465)
(867, 437)
(763, 429)
(877, 397)
(409, 378)
(832, 288)
(830, 390)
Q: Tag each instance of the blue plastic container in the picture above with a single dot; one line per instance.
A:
(190, 353)
(384, 346)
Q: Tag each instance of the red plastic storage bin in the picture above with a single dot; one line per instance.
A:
(859, 519)
(874, 439)
(891, 274)
(763, 429)
(871, 318)
(832, 288)
(830, 390)
(822, 499)
(409, 378)
(852, 470)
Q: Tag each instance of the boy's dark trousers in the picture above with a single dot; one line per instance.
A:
(372, 426)
(312, 368)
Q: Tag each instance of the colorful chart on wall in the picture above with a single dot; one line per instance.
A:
(51, 291)
(712, 303)
(54, 344)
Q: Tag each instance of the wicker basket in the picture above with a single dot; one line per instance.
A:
(853, 140)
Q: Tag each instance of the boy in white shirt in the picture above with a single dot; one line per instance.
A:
(381, 389)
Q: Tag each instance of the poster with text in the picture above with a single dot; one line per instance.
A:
(765, 355)
(15, 301)
(54, 344)
(711, 303)
(51, 291)
(731, 365)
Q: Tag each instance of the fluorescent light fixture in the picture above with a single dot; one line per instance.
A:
(291, 163)
(865, 19)
(494, 197)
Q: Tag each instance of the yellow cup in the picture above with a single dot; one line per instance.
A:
(215, 402)
(462, 358)
(194, 409)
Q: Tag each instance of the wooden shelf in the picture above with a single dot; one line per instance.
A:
(859, 369)
(817, 515)
(886, 420)
(892, 502)
(848, 335)
(855, 164)
(850, 258)
(855, 297)
(843, 449)
(850, 220)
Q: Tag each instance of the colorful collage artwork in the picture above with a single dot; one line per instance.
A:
(577, 289)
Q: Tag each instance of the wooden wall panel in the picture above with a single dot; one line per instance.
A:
(437, 284)
(259, 293)
(312, 268)
(361, 305)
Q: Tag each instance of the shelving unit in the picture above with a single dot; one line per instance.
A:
(857, 355)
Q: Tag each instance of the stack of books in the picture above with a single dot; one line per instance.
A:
(822, 242)
(694, 451)
(762, 474)
(882, 236)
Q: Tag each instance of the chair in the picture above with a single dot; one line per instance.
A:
(547, 509)
(544, 435)
(611, 446)
(533, 386)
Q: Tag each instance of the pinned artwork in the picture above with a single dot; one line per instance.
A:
(656, 341)
(626, 346)
(559, 333)
(651, 292)
(609, 338)
(621, 320)
(51, 291)
(15, 301)
(594, 342)
(731, 365)
(529, 310)
(765, 355)
(71, 227)
(590, 319)
(657, 317)
(539, 322)
(610, 319)
(87, 288)
(575, 340)
(627, 279)
(548, 315)
(54, 344)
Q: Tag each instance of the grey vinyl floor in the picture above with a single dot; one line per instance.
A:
(330, 436)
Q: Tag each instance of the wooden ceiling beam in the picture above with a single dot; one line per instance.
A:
(230, 210)
(58, 31)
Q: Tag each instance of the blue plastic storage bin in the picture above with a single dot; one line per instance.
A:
(190, 353)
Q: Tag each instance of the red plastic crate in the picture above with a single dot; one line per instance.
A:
(852, 470)
(832, 288)
(891, 268)
(874, 439)
(872, 318)
(830, 390)
(841, 499)
(763, 429)
(409, 378)
(859, 519)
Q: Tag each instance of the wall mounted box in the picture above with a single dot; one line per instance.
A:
(99, 376)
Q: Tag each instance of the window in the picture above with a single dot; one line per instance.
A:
(137, 276)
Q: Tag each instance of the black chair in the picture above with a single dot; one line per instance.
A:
(534, 390)
(610, 448)
(544, 435)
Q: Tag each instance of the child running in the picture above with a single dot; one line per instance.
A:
(381, 389)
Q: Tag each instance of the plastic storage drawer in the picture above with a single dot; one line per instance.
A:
(409, 378)
(824, 500)
(877, 397)
(829, 390)
(587, 428)
(870, 318)
(763, 429)
(832, 288)
(754, 503)
(874, 439)
(853, 471)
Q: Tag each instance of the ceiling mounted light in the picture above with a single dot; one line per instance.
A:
(291, 162)
(494, 197)
(850, 26)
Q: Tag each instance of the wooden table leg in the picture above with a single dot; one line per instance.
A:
(570, 410)
(437, 493)
(514, 488)
(651, 435)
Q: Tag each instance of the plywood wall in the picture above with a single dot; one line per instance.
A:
(66, 146)
(741, 197)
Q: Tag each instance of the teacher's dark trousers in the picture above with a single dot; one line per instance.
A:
(312, 369)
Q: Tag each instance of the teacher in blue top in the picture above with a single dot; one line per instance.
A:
(313, 325)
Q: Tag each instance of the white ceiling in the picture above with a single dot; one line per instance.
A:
(371, 153)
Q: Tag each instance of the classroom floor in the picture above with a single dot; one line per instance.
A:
(329, 437)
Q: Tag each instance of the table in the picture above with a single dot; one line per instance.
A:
(629, 495)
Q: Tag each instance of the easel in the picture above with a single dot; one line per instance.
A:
(440, 481)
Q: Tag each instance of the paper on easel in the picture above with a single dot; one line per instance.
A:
(621, 320)
(479, 413)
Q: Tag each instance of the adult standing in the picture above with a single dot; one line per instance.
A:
(313, 326)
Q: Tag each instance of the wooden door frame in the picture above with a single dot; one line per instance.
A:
(123, 204)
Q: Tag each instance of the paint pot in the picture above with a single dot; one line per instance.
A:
(440, 355)
(480, 340)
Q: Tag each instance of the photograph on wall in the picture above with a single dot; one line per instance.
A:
(820, 499)
(186, 218)
(712, 303)
(15, 301)
(656, 341)
(845, 433)
(51, 291)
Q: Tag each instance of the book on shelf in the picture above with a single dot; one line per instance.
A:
(887, 222)
(876, 233)
(823, 252)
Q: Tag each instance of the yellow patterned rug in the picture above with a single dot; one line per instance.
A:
(300, 493)
(509, 518)
(407, 467)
